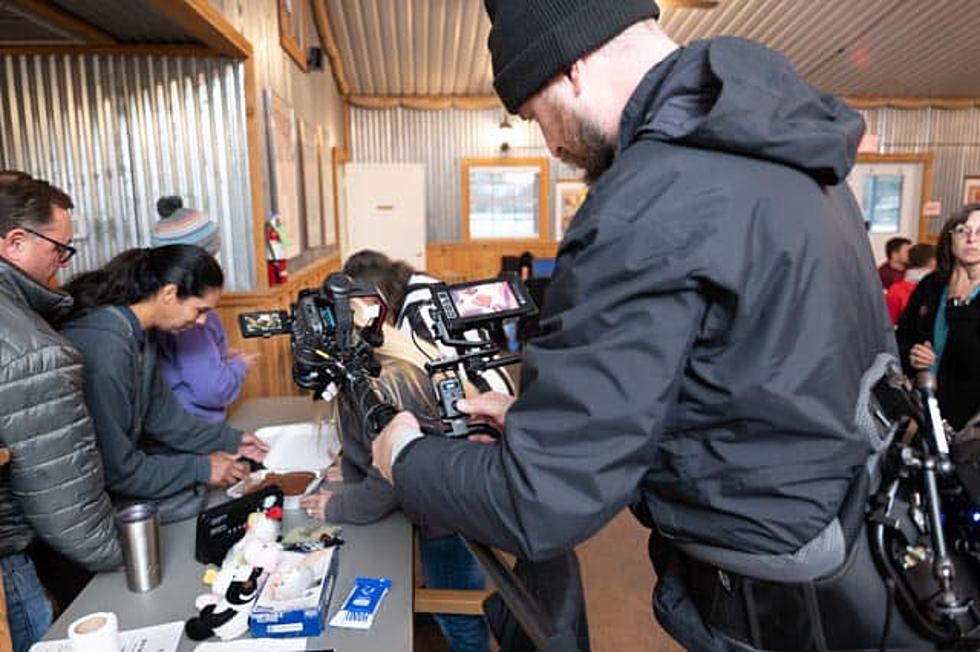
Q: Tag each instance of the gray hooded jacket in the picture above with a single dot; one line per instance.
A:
(54, 485)
(712, 312)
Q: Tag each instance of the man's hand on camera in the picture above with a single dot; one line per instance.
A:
(226, 469)
(490, 407)
(252, 447)
(401, 430)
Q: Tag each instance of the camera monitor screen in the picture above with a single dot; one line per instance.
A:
(477, 303)
(264, 324)
(484, 299)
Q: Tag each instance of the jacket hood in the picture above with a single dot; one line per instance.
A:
(52, 305)
(734, 95)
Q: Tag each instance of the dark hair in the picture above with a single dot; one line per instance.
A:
(138, 274)
(921, 254)
(944, 246)
(389, 276)
(25, 201)
(166, 206)
(526, 260)
(894, 245)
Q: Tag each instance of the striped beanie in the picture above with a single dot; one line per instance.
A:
(181, 225)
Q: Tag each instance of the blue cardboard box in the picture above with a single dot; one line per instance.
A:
(300, 616)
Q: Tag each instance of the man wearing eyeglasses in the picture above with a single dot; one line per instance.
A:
(52, 490)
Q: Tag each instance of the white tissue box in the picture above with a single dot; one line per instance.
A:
(300, 616)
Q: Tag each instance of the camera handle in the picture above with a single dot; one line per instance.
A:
(536, 625)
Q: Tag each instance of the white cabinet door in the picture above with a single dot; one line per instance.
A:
(386, 210)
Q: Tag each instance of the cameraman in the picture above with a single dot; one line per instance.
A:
(713, 310)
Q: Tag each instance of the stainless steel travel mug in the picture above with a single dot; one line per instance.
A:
(139, 532)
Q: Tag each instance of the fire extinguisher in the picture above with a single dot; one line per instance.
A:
(276, 252)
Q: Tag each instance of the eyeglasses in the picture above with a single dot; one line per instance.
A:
(964, 230)
(65, 252)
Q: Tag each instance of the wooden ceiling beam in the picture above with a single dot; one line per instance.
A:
(203, 22)
(122, 49)
(430, 102)
(877, 102)
(53, 16)
(322, 20)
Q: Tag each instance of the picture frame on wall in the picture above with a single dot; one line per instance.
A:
(283, 150)
(292, 30)
(326, 193)
(570, 194)
(312, 213)
(971, 189)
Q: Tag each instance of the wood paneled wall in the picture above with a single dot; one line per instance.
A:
(272, 374)
(476, 259)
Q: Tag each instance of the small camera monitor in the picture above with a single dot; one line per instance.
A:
(468, 305)
(264, 324)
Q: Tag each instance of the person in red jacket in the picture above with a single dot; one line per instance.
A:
(922, 261)
(893, 269)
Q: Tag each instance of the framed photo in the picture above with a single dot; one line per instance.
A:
(309, 154)
(971, 189)
(292, 30)
(326, 190)
(893, 191)
(284, 170)
(569, 196)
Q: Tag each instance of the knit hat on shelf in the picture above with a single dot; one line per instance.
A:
(181, 225)
(531, 41)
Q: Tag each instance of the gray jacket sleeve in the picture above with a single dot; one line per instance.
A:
(129, 470)
(597, 389)
(56, 472)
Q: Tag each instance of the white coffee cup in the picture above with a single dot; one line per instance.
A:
(98, 632)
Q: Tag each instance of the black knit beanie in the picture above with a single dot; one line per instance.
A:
(531, 41)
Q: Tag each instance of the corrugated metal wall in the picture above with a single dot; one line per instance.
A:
(441, 139)
(953, 137)
(118, 132)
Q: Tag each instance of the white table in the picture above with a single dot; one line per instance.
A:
(382, 549)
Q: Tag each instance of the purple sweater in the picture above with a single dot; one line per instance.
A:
(196, 366)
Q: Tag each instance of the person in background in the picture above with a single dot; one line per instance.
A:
(940, 328)
(409, 298)
(922, 262)
(53, 488)
(153, 449)
(204, 374)
(897, 259)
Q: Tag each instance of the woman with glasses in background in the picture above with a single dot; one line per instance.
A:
(940, 328)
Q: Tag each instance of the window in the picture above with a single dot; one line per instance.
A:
(882, 202)
(505, 198)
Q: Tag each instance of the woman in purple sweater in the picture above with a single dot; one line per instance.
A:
(204, 374)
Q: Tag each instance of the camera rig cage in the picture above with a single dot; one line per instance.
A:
(331, 355)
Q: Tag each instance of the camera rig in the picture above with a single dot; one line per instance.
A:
(924, 519)
(331, 356)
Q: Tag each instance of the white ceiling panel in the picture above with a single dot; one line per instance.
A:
(849, 47)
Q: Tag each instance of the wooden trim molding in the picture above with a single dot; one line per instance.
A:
(322, 20)
(120, 49)
(869, 102)
(926, 158)
(63, 21)
(206, 25)
(427, 102)
(295, 49)
(544, 185)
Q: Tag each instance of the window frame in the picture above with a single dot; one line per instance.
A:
(544, 184)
